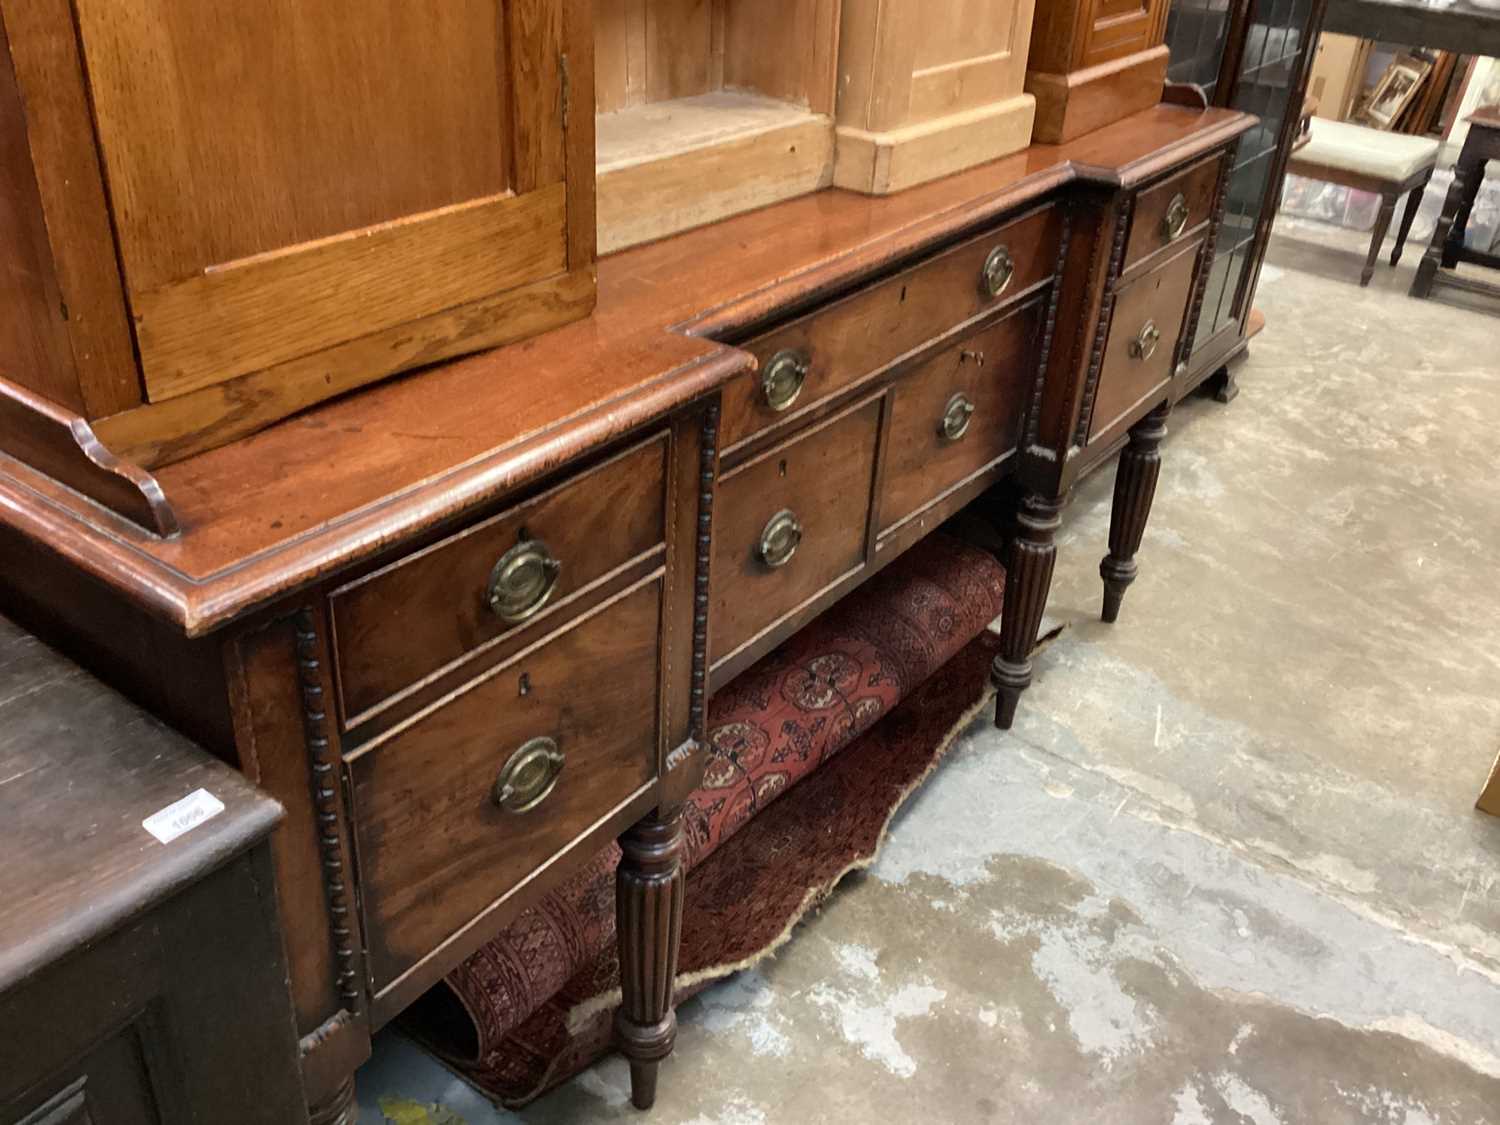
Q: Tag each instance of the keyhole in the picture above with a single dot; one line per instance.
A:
(781, 468)
(903, 295)
(524, 687)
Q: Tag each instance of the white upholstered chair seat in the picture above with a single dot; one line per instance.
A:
(1368, 152)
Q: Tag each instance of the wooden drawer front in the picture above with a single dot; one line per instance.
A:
(1159, 298)
(824, 478)
(992, 370)
(434, 848)
(418, 615)
(862, 333)
(1148, 229)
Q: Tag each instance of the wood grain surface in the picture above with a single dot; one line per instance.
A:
(435, 850)
(878, 325)
(80, 768)
(428, 609)
(447, 441)
(824, 477)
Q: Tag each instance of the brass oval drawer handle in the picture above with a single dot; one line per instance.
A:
(783, 378)
(780, 539)
(1144, 345)
(998, 269)
(956, 417)
(1175, 221)
(522, 581)
(529, 776)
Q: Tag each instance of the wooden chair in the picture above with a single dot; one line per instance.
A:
(1389, 164)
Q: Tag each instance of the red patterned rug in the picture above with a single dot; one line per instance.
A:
(801, 776)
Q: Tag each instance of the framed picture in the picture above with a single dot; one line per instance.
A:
(1395, 90)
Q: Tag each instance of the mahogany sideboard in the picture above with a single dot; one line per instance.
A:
(140, 910)
(463, 625)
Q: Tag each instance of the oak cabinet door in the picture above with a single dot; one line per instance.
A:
(287, 177)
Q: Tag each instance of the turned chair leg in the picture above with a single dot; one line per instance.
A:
(340, 1109)
(1382, 224)
(1413, 201)
(1135, 488)
(648, 910)
(1028, 578)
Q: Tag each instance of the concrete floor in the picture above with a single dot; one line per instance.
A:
(1226, 868)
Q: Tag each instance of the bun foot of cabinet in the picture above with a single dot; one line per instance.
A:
(1028, 578)
(648, 904)
(1222, 385)
(340, 1109)
(1135, 488)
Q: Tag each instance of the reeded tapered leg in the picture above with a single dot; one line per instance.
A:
(337, 1110)
(1028, 577)
(1135, 488)
(1382, 224)
(1413, 201)
(648, 912)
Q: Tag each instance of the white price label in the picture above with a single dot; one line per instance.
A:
(183, 816)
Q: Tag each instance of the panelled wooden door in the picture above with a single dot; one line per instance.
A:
(1121, 27)
(970, 58)
(351, 166)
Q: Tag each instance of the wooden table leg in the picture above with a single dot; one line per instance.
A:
(1135, 488)
(648, 908)
(1028, 578)
(1473, 180)
(1448, 229)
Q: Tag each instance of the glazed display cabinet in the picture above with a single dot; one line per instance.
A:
(1251, 55)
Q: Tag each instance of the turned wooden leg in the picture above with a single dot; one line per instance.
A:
(1437, 251)
(1413, 201)
(340, 1109)
(1028, 577)
(1135, 487)
(1472, 180)
(648, 910)
(1382, 224)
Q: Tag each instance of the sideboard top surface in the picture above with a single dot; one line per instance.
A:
(334, 485)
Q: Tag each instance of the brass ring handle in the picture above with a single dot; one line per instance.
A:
(1144, 345)
(780, 539)
(783, 378)
(522, 581)
(956, 417)
(529, 776)
(998, 269)
(1175, 221)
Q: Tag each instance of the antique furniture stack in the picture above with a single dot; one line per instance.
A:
(1255, 56)
(464, 624)
(142, 977)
